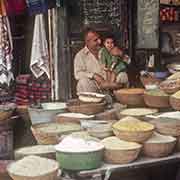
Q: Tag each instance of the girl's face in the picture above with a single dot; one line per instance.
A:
(109, 44)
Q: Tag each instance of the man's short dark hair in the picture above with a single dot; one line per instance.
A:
(88, 30)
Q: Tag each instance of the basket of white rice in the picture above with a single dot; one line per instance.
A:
(33, 168)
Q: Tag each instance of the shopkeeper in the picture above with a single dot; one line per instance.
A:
(88, 69)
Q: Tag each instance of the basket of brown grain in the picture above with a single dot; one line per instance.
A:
(131, 97)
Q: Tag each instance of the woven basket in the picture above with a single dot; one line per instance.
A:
(44, 138)
(156, 101)
(175, 103)
(131, 99)
(49, 176)
(156, 150)
(121, 156)
(74, 105)
(53, 137)
(4, 115)
(170, 130)
(133, 136)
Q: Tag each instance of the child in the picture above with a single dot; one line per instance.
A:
(114, 61)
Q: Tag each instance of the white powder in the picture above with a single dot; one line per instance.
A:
(37, 149)
(158, 138)
(33, 166)
(72, 144)
(75, 115)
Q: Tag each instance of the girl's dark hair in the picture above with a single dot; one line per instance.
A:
(109, 36)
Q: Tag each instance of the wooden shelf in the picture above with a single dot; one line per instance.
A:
(169, 5)
(175, 23)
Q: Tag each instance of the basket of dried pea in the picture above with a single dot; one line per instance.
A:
(133, 130)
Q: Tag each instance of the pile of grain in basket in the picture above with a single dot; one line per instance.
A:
(33, 166)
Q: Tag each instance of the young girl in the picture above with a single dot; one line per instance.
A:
(114, 61)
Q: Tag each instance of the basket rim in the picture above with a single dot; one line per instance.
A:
(123, 91)
(143, 131)
(46, 174)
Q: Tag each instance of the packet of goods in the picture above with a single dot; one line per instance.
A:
(133, 126)
(115, 143)
(33, 166)
(75, 144)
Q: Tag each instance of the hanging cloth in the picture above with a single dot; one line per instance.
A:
(6, 48)
(37, 6)
(15, 7)
(2, 8)
(39, 54)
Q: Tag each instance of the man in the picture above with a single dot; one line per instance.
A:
(88, 69)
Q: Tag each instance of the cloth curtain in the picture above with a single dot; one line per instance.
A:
(6, 48)
(39, 54)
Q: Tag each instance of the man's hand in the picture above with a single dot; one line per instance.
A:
(98, 78)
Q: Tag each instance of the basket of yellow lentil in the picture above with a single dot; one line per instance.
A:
(134, 131)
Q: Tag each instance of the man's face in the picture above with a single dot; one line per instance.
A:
(93, 41)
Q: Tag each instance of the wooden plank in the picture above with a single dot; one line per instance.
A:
(143, 162)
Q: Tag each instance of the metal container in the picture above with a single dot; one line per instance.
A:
(79, 160)
(39, 115)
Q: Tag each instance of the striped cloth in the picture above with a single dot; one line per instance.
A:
(37, 6)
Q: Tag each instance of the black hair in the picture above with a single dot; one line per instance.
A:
(87, 30)
(109, 36)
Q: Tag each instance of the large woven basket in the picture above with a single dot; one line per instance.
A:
(132, 98)
(133, 136)
(49, 138)
(74, 105)
(167, 128)
(49, 176)
(156, 101)
(156, 150)
(121, 156)
(175, 103)
(44, 138)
